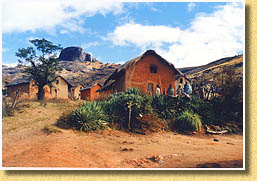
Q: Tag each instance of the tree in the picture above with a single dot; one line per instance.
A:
(40, 63)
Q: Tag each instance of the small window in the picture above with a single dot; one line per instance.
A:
(181, 81)
(150, 87)
(57, 82)
(153, 69)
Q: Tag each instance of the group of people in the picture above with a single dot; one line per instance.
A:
(170, 91)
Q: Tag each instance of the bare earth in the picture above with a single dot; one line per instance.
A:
(26, 145)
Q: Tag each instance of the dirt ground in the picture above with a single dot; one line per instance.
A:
(25, 144)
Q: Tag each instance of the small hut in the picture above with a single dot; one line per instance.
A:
(90, 93)
(27, 87)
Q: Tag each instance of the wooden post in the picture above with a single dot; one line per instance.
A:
(15, 99)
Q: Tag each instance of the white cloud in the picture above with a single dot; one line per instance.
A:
(209, 37)
(33, 15)
(90, 44)
(143, 36)
(190, 6)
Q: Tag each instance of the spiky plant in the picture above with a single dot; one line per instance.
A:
(90, 116)
(187, 121)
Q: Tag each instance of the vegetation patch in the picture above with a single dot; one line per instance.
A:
(151, 123)
(187, 121)
(136, 112)
(87, 117)
(126, 107)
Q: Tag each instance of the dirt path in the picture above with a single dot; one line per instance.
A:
(115, 149)
(29, 146)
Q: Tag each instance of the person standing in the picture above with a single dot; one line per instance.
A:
(187, 89)
(158, 90)
(179, 90)
(170, 91)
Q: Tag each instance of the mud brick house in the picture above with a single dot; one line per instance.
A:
(74, 91)
(90, 93)
(145, 72)
(58, 90)
(28, 89)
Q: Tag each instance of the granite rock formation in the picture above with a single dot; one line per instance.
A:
(75, 54)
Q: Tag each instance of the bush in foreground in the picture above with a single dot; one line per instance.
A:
(125, 107)
(89, 117)
(187, 121)
(150, 123)
(164, 106)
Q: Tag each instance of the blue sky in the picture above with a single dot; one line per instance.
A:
(185, 33)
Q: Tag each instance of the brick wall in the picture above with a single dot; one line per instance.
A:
(91, 94)
(85, 94)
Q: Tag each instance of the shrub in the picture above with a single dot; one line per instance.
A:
(165, 106)
(150, 123)
(89, 117)
(187, 121)
(125, 107)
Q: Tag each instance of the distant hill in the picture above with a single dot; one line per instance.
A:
(236, 61)
(215, 75)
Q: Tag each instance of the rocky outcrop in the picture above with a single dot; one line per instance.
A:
(76, 54)
(72, 54)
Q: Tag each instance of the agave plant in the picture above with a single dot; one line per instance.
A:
(187, 121)
(90, 116)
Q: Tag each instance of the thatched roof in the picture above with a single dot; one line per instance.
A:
(26, 80)
(20, 80)
(113, 77)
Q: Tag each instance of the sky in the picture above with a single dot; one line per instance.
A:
(184, 33)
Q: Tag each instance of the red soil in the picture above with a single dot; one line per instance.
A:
(117, 149)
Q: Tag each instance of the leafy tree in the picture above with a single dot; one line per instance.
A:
(41, 63)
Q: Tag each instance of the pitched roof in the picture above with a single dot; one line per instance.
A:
(111, 79)
(65, 80)
(27, 79)
(20, 80)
